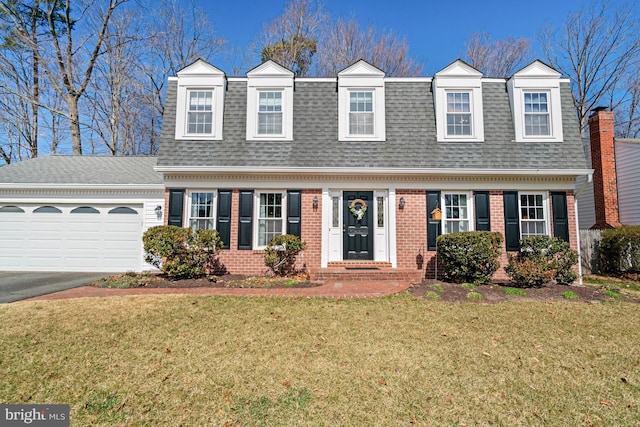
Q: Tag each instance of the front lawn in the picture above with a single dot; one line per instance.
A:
(178, 360)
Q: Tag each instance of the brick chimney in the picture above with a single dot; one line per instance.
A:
(603, 161)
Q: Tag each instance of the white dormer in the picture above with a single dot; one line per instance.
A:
(269, 103)
(534, 93)
(361, 103)
(457, 93)
(200, 101)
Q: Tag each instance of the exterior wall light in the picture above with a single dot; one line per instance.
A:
(315, 202)
(158, 211)
(402, 203)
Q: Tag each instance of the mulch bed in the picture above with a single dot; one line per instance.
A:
(161, 281)
(495, 292)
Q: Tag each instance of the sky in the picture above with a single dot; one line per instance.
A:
(435, 31)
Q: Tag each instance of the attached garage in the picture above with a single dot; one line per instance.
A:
(78, 226)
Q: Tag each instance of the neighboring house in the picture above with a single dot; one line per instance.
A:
(78, 213)
(355, 165)
(613, 197)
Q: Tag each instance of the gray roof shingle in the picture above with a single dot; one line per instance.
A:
(410, 135)
(82, 170)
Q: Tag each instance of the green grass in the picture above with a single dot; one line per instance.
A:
(469, 285)
(621, 288)
(611, 293)
(474, 296)
(437, 287)
(431, 295)
(570, 295)
(515, 291)
(125, 280)
(180, 360)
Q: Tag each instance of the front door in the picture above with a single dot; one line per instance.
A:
(358, 225)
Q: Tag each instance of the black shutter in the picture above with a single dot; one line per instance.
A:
(560, 216)
(245, 223)
(511, 221)
(294, 212)
(176, 207)
(483, 211)
(223, 224)
(433, 225)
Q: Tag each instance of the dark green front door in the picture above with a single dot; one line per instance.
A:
(358, 225)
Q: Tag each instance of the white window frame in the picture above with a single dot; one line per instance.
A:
(545, 212)
(361, 77)
(256, 215)
(470, 210)
(526, 113)
(362, 113)
(458, 77)
(189, 111)
(281, 113)
(188, 217)
(470, 113)
(536, 78)
(269, 77)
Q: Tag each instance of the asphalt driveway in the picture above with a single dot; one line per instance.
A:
(19, 285)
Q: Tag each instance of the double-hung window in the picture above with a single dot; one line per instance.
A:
(533, 218)
(536, 114)
(270, 216)
(200, 112)
(361, 114)
(456, 212)
(270, 113)
(459, 114)
(201, 213)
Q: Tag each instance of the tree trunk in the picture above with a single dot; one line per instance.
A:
(74, 124)
(36, 89)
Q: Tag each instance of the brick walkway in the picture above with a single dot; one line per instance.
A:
(333, 289)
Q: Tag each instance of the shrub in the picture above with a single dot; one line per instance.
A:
(542, 259)
(281, 252)
(182, 252)
(470, 256)
(620, 250)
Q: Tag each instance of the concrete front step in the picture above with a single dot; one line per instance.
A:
(364, 273)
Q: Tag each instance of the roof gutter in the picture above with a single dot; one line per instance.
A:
(101, 187)
(371, 171)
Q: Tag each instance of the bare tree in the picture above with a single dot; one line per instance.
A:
(595, 48)
(291, 39)
(497, 58)
(344, 42)
(68, 55)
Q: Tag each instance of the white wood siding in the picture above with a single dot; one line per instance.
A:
(628, 170)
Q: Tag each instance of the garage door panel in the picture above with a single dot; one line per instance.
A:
(71, 241)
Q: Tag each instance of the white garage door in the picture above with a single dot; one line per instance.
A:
(70, 238)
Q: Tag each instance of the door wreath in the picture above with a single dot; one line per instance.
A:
(358, 212)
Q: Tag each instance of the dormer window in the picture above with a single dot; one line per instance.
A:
(270, 103)
(270, 113)
(200, 112)
(459, 114)
(200, 101)
(361, 117)
(534, 93)
(361, 109)
(536, 114)
(458, 103)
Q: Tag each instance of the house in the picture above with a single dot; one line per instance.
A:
(356, 165)
(78, 213)
(613, 197)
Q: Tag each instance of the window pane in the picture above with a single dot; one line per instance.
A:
(361, 113)
(536, 118)
(458, 113)
(380, 211)
(201, 213)
(270, 217)
(200, 113)
(336, 212)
